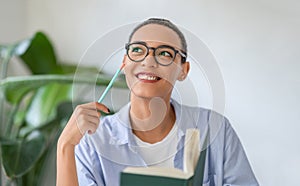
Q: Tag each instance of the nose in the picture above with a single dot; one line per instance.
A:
(149, 60)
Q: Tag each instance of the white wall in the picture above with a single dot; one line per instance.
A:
(255, 43)
(13, 20)
(13, 23)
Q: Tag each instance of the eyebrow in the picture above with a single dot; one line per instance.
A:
(139, 42)
(181, 52)
(145, 43)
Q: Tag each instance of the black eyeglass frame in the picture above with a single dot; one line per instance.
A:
(181, 53)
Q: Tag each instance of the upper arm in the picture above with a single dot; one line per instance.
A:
(88, 166)
(237, 169)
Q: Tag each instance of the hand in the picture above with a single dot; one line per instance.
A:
(85, 118)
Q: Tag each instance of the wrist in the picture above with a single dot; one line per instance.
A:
(63, 145)
(71, 135)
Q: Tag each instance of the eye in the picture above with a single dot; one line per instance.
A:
(137, 50)
(166, 54)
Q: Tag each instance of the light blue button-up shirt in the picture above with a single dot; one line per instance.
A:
(101, 157)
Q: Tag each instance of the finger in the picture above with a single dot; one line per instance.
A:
(102, 107)
(84, 118)
(90, 113)
(87, 109)
(93, 120)
(92, 129)
(87, 127)
(95, 106)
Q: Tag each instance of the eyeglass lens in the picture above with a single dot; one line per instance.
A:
(163, 55)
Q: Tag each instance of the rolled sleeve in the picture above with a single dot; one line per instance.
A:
(88, 167)
(237, 169)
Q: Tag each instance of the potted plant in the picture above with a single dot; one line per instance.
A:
(34, 109)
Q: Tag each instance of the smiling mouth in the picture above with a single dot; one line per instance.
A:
(147, 77)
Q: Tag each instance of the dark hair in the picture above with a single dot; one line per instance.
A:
(166, 23)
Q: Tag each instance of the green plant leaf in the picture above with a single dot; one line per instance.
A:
(19, 156)
(45, 102)
(14, 88)
(39, 108)
(40, 56)
(72, 69)
(8, 51)
(17, 48)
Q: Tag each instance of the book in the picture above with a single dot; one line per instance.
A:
(191, 175)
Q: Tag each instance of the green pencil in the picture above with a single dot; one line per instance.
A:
(111, 83)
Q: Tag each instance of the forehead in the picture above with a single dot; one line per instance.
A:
(154, 33)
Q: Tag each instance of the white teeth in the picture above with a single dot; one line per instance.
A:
(147, 77)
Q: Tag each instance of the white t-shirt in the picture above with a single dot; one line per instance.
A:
(161, 153)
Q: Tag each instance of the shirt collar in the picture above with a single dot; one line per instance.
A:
(122, 132)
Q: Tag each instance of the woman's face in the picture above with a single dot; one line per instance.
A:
(148, 79)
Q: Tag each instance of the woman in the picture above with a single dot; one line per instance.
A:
(149, 130)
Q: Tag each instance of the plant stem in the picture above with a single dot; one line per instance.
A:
(10, 122)
(4, 60)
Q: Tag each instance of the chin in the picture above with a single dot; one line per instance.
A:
(141, 93)
(145, 95)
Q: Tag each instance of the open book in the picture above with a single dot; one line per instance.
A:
(192, 174)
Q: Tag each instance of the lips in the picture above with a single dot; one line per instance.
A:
(148, 77)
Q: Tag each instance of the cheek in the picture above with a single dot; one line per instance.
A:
(172, 74)
(128, 71)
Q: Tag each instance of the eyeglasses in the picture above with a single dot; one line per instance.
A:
(163, 54)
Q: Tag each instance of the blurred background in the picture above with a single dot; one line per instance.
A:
(255, 43)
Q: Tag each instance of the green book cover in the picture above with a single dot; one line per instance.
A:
(192, 174)
(128, 179)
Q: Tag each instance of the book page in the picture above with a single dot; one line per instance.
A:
(190, 160)
(191, 150)
(158, 171)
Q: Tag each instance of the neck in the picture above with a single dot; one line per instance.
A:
(151, 119)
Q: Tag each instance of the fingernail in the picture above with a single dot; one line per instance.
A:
(108, 110)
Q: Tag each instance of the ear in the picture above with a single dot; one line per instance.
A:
(184, 71)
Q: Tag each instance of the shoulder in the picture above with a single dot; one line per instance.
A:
(206, 120)
(199, 116)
